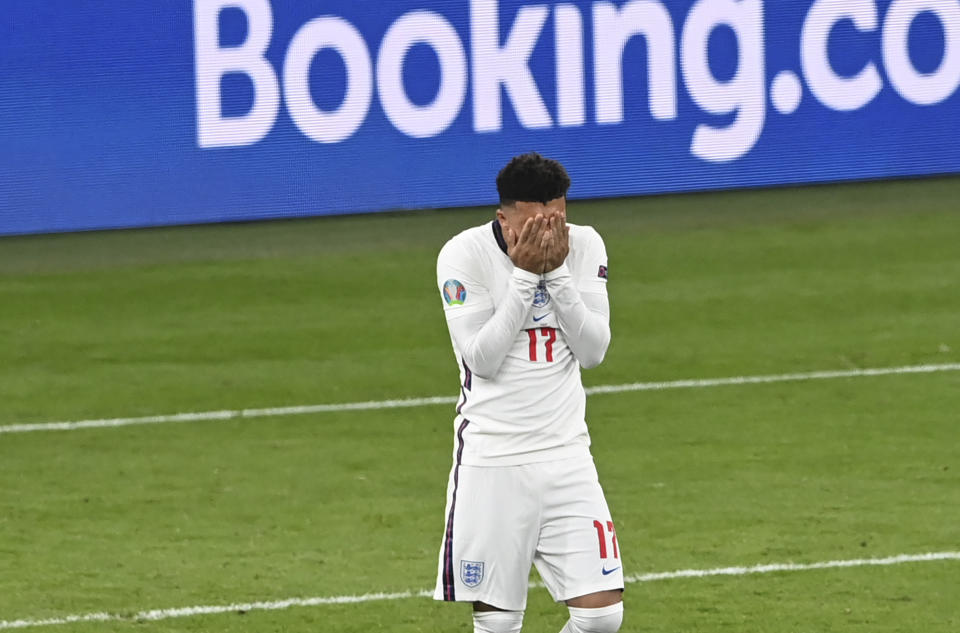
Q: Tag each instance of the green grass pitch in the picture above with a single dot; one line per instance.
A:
(347, 503)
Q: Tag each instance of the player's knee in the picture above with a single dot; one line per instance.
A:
(497, 621)
(599, 620)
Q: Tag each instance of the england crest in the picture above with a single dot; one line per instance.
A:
(541, 297)
(471, 572)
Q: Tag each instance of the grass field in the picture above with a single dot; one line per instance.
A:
(346, 503)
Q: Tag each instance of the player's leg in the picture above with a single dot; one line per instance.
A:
(578, 555)
(595, 620)
(488, 545)
(597, 600)
(490, 619)
(497, 621)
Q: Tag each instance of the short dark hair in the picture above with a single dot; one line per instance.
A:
(532, 178)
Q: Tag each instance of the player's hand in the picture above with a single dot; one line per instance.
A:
(558, 245)
(528, 250)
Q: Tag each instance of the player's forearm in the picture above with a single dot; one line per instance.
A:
(587, 334)
(484, 341)
(586, 328)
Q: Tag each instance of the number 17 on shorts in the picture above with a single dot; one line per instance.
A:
(603, 536)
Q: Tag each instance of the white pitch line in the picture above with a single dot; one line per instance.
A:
(276, 605)
(435, 400)
(201, 416)
(758, 380)
(899, 559)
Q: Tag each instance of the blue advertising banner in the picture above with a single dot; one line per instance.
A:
(141, 113)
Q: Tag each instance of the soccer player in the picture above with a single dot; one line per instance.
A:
(525, 300)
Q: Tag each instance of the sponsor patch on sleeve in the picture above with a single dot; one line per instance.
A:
(454, 293)
(603, 272)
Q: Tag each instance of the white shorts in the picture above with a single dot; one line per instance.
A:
(500, 520)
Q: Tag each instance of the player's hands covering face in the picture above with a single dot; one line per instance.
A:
(558, 243)
(528, 249)
(542, 245)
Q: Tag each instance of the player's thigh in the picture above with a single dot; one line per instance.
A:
(491, 536)
(578, 553)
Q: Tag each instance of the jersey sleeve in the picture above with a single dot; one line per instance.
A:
(591, 273)
(461, 283)
(482, 332)
(583, 308)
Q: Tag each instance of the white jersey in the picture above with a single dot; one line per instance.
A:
(520, 340)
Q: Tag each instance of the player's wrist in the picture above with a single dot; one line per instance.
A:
(533, 269)
(532, 262)
(526, 277)
(559, 272)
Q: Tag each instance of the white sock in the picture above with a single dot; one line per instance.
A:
(599, 620)
(497, 621)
